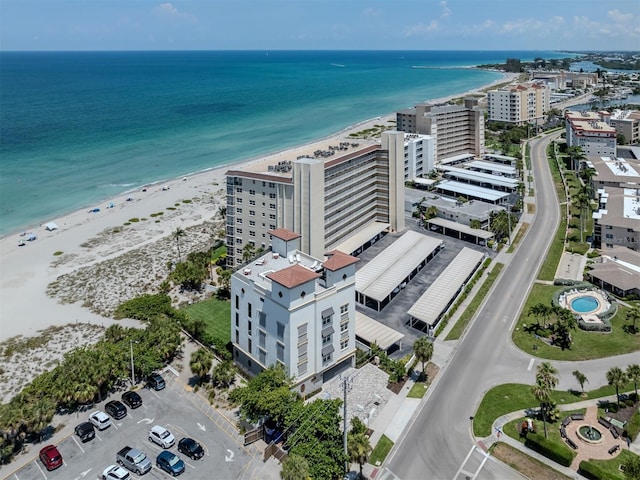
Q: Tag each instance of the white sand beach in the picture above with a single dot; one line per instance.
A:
(80, 272)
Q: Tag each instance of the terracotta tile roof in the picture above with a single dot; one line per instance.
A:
(338, 260)
(293, 276)
(284, 234)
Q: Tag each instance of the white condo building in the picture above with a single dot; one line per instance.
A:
(592, 132)
(292, 309)
(520, 104)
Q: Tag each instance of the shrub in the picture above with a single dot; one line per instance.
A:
(592, 471)
(57, 254)
(550, 449)
(145, 307)
(134, 220)
(632, 427)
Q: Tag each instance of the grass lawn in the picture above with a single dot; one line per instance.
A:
(611, 466)
(528, 466)
(553, 429)
(217, 317)
(470, 311)
(380, 452)
(586, 345)
(418, 390)
(523, 229)
(510, 397)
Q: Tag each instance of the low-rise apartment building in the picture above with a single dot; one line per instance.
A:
(520, 104)
(617, 221)
(295, 310)
(627, 124)
(591, 131)
(456, 129)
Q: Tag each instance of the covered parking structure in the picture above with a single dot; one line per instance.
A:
(494, 168)
(383, 277)
(459, 231)
(472, 192)
(360, 241)
(435, 301)
(370, 331)
(482, 179)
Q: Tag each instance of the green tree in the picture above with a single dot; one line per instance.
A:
(248, 251)
(542, 394)
(200, 363)
(617, 378)
(546, 381)
(359, 448)
(423, 350)
(177, 235)
(633, 315)
(222, 212)
(581, 378)
(189, 275)
(633, 374)
(357, 426)
(224, 373)
(224, 278)
(539, 311)
(576, 156)
(295, 467)
(631, 467)
(475, 223)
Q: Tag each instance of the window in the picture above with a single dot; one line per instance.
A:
(239, 242)
(272, 185)
(327, 320)
(252, 202)
(237, 301)
(252, 233)
(344, 326)
(239, 250)
(280, 330)
(327, 358)
(237, 337)
(239, 200)
(302, 333)
(344, 344)
(239, 220)
(344, 308)
(272, 216)
(302, 368)
(249, 328)
(326, 340)
(252, 223)
(262, 318)
(249, 310)
(249, 346)
(272, 195)
(252, 213)
(262, 338)
(272, 227)
(239, 210)
(238, 230)
(272, 206)
(262, 356)
(237, 319)
(280, 351)
(252, 192)
(238, 190)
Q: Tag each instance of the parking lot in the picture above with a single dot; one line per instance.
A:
(183, 413)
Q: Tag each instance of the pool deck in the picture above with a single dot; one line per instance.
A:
(571, 266)
(603, 303)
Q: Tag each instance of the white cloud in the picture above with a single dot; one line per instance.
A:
(617, 16)
(533, 26)
(421, 29)
(371, 12)
(446, 11)
(168, 11)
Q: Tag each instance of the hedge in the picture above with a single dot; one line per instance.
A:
(633, 426)
(592, 471)
(550, 449)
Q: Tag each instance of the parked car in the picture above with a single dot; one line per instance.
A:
(50, 457)
(190, 448)
(161, 436)
(170, 463)
(85, 431)
(100, 420)
(134, 460)
(131, 399)
(116, 409)
(115, 472)
(156, 381)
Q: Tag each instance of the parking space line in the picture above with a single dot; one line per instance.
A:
(79, 446)
(36, 463)
(98, 436)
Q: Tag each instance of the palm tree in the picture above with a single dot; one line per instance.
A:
(539, 310)
(547, 374)
(633, 315)
(583, 201)
(542, 394)
(248, 251)
(423, 350)
(617, 378)
(178, 234)
(201, 361)
(546, 381)
(633, 374)
(359, 448)
(581, 378)
(295, 467)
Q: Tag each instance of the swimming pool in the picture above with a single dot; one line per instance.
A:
(584, 304)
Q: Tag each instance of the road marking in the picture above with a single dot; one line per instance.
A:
(229, 458)
(36, 462)
(98, 436)
(531, 362)
(157, 396)
(79, 446)
(387, 474)
(201, 427)
(83, 474)
(147, 420)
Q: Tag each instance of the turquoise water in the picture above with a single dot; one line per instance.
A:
(584, 304)
(79, 127)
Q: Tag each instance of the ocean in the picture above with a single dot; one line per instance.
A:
(77, 128)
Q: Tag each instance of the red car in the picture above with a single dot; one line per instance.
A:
(50, 457)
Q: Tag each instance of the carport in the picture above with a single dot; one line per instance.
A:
(435, 301)
(369, 331)
(363, 239)
(471, 192)
(459, 231)
(383, 277)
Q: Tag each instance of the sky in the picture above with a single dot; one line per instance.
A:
(576, 25)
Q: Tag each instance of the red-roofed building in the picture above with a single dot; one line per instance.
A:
(290, 308)
(520, 104)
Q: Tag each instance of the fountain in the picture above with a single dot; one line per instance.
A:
(590, 434)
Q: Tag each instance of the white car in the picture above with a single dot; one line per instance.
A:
(161, 436)
(100, 420)
(115, 472)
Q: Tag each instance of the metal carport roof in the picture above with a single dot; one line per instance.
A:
(437, 297)
(459, 227)
(371, 330)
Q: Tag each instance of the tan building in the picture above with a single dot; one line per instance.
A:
(325, 198)
(565, 79)
(627, 124)
(591, 131)
(456, 128)
(520, 104)
(617, 221)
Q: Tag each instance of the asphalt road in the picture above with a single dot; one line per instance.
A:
(438, 442)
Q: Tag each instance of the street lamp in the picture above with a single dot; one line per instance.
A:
(133, 377)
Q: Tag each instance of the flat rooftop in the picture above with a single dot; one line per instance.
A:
(466, 189)
(500, 168)
(481, 177)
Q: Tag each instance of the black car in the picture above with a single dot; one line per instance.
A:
(116, 409)
(85, 432)
(156, 381)
(190, 448)
(132, 399)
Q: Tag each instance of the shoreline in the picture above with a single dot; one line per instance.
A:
(97, 260)
(27, 227)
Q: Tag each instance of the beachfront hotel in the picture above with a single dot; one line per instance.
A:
(339, 192)
(456, 129)
(591, 131)
(295, 310)
(520, 104)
